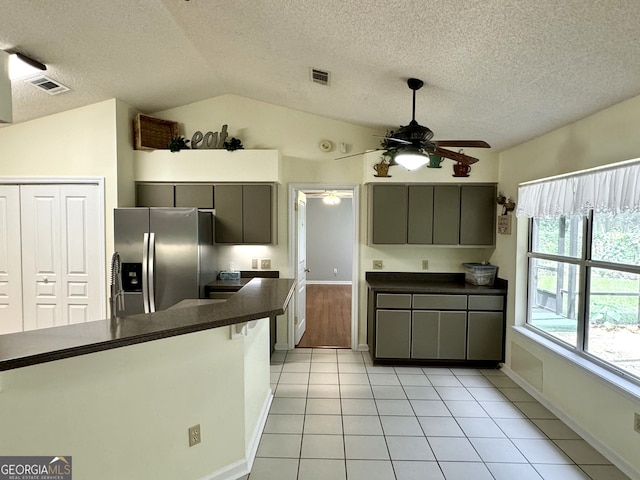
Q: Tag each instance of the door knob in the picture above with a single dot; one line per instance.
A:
(307, 270)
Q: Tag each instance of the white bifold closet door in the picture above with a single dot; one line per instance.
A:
(61, 274)
(10, 260)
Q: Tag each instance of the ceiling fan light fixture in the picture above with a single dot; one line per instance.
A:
(331, 198)
(411, 158)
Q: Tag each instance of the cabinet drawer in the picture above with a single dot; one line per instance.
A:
(393, 300)
(440, 302)
(486, 302)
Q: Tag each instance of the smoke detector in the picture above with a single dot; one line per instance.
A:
(320, 77)
(52, 87)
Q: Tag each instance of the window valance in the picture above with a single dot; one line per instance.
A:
(608, 189)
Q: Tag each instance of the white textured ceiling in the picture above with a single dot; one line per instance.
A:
(503, 71)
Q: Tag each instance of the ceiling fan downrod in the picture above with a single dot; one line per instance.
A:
(414, 84)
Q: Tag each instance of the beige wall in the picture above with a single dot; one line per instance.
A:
(602, 412)
(84, 142)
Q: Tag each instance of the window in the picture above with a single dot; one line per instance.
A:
(584, 285)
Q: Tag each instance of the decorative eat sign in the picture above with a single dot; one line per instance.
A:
(210, 140)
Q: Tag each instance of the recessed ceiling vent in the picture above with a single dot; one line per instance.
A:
(50, 86)
(320, 77)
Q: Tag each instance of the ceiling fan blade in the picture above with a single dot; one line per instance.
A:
(393, 139)
(462, 143)
(458, 157)
(359, 153)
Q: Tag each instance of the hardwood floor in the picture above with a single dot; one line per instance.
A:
(328, 316)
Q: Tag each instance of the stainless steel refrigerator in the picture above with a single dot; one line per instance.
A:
(167, 255)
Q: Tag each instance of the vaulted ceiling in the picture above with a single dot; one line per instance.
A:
(503, 71)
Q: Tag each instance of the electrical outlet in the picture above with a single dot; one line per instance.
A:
(636, 422)
(425, 264)
(377, 264)
(254, 263)
(265, 264)
(194, 435)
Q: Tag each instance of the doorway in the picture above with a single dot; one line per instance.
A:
(323, 239)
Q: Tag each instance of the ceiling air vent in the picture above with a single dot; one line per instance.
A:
(50, 86)
(320, 76)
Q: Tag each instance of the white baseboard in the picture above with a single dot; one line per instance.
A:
(281, 346)
(605, 451)
(242, 467)
(363, 347)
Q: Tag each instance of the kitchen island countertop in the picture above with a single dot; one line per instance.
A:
(259, 298)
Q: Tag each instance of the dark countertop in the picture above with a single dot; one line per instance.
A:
(259, 298)
(235, 285)
(447, 283)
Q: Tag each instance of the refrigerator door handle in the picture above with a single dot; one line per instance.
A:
(152, 272)
(145, 272)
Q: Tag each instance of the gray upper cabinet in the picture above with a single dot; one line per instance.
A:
(154, 195)
(228, 202)
(477, 214)
(256, 213)
(433, 214)
(198, 196)
(389, 218)
(446, 214)
(420, 214)
(243, 214)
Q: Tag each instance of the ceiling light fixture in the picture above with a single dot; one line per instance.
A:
(331, 198)
(411, 158)
(21, 66)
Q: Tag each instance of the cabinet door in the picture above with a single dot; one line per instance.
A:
(453, 335)
(10, 260)
(424, 338)
(198, 196)
(393, 333)
(420, 214)
(256, 213)
(477, 214)
(154, 195)
(485, 336)
(439, 335)
(389, 216)
(446, 214)
(228, 202)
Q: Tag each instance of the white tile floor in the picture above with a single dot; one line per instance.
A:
(336, 416)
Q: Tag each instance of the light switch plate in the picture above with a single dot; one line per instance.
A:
(254, 263)
(265, 264)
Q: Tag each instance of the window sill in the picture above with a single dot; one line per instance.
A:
(617, 382)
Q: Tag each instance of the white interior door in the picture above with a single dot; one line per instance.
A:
(300, 322)
(61, 245)
(41, 229)
(10, 260)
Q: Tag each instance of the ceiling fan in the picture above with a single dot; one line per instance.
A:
(415, 140)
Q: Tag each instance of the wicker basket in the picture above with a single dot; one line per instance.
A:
(153, 133)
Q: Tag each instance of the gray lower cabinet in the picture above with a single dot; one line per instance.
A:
(440, 335)
(439, 327)
(484, 335)
(485, 332)
(393, 329)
